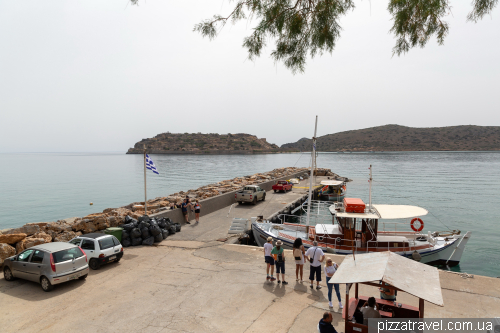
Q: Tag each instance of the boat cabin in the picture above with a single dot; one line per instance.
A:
(402, 274)
(332, 190)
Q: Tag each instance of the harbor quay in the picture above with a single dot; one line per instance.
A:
(198, 280)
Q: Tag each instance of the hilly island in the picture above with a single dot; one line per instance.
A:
(380, 138)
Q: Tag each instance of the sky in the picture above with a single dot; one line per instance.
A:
(93, 75)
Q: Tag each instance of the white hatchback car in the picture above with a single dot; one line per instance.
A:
(99, 248)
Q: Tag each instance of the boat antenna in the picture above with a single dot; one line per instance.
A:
(313, 157)
(370, 195)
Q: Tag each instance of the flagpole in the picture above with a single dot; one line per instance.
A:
(145, 188)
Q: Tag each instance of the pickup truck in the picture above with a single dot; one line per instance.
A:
(250, 193)
(282, 185)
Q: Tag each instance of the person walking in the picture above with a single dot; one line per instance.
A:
(298, 253)
(184, 207)
(315, 256)
(330, 269)
(279, 257)
(268, 248)
(197, 208)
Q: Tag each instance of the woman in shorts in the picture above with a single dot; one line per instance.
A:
(298, 253)
(197, 208)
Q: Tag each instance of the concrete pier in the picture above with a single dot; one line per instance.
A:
(191, 282)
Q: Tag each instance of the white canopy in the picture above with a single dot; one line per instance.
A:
(410, 276)
(399, 211)
(331, 182)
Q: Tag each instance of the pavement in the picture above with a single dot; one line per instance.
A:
(191, 282)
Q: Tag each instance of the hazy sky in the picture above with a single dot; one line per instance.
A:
(95, 75)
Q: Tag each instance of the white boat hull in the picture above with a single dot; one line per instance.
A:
(443, 252)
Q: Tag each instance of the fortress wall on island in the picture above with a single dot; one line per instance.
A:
(213, 204)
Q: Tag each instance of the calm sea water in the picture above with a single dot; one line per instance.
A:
(460, 189)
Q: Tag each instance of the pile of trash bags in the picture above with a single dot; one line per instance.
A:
(146, 231)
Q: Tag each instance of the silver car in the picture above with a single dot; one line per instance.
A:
(48, 264)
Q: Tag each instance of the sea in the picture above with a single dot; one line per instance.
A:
(459, 189)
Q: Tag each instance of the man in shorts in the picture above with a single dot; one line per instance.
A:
(268, 248)
(315, 256)
(184, 206)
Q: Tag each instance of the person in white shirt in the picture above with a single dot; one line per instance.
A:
(330, 269)
(369, 311)
(315, 256)
(268, 258)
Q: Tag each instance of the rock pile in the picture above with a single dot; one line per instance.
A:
(146, 231)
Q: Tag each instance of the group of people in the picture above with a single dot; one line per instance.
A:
(274, 256)
(187, 204)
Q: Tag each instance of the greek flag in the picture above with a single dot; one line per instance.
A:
(150, 164)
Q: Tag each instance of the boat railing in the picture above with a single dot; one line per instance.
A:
(313, 219)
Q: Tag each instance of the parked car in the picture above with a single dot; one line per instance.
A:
(48, 264)
(250, 193)
(282, 185)
(100, 248)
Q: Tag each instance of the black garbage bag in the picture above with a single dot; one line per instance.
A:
(125, 234)
(145, 233)
(143, 224)
(148, 241)
(172, 230)
(127, 219)
(135, 222)
(162, 224)
(136, 241)
(168, 220)
(154, 230)
(135, 233)
(177, 227)
(144, 218)
(128, 226)
(158, 238)
(164, 233)
(153, 222)
(126, 242)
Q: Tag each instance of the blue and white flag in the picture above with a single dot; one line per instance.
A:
(150, 164)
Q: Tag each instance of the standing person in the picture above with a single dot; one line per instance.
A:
(298, 253)
(278, 251)
(197, 208)
(387, 294)
(184, 206)
(330, 269)
(315, 256)
(268, 248)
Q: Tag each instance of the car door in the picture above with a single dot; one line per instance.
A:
(118, 247)
(34, 266)
(106, 246)
(19, 265)
(88, 246)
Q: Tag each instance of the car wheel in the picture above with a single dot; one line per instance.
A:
(94, 264)
(46, 285)
(7, 274)
(240, 202)
(264, 197)
(83, 277)
(254, 201)
(275, 191)
(117, 260)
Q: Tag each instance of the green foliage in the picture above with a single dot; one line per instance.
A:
(255, 144)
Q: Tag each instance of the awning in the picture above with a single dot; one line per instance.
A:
(410, 276)
(399, 211)
(331, 182)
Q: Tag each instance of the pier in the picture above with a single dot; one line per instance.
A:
(198, 281)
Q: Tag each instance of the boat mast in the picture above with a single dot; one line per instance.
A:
(313, 163)
(370, 196)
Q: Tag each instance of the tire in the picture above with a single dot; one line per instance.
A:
(264, 197)
(117, 260)
(275, 191)
(46, 285)
(94, 264)
(240, 202)
(7, 274)
(254, 201)
(83, 277)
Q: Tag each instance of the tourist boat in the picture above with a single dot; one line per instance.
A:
(332, 190)
(359, 228)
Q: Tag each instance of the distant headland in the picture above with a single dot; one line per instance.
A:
(213, 143)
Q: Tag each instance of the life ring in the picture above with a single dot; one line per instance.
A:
(320, 238)
(421, 224)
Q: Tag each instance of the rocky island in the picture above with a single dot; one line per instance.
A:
(213, 143)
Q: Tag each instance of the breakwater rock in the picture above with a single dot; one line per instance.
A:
(32, 234)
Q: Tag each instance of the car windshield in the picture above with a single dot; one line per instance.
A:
(75, 241)
(68, 254)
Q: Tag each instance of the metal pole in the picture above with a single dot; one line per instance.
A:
(313, 156)
(145, 188)
(370, 204)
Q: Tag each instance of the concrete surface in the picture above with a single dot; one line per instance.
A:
(195, 286)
